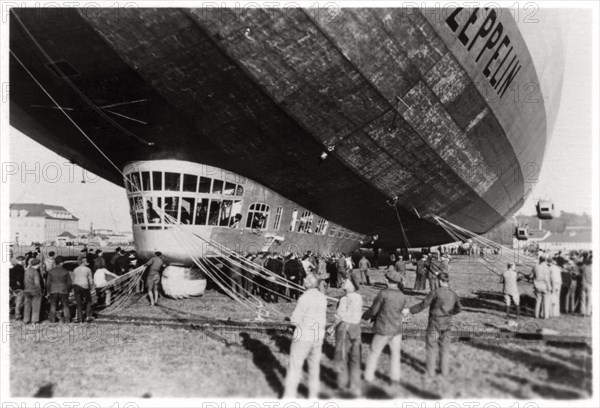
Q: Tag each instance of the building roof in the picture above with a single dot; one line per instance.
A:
(42, 210)
(65, 234)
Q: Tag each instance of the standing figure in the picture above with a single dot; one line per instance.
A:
(83, 283)
(307, 342)
(571, 297)
(58, 286)
(16, 283)
(386, 311)
(32, 292)
(156, 264)
(586, 286)
(348, 337)
(555, 286)
(443, 303)
(541, 285)
(364, 265)
(421, 278)
(511, 290)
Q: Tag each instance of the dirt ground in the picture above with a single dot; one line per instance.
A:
(124, 360)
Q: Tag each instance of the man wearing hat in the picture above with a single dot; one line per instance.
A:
(386, 311)
(58, 286)
(443, 303)
(348, 336)
(33, 292)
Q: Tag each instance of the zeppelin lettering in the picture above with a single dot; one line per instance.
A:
(498, 57)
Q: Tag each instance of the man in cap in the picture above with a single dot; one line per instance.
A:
(58, 286)
(346, 327)
(99, 261)
(307, 342)
(443, 303)
(83, 283)
(386, 311)
(33, 292)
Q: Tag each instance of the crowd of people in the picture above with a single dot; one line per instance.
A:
(388, 311)
(562, 284)
(40, 284)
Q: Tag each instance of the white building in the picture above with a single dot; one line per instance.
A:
(40, 223)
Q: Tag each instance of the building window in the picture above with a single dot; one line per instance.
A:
(187, 209)
(190, 183)
(278, 215)
(135, 182)
(156, 180)
(321, 226)
(213, 212)
(172, 181)
(146, 181)
(201, 211)
(306, 222)
(258, 216)
(217, 187)
(229, 189)
(341, 233)
(171, 207)
(204, 186)
(294, 219)
(333, 231)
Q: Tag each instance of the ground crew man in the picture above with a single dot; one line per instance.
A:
(156, 263)
(443, 303)
(433, 271)
(58, 286)
(364, 266)
(307, 343)
(421, 278)
(386, 311)
(348, 337)
(541, 285)
(33, 292)
(510, 289)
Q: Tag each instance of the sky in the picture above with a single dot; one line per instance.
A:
(565, 175)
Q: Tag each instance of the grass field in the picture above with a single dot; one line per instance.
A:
(139, 361)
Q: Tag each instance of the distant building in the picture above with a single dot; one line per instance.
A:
(572, 238)
(64, 238)
(40, 223)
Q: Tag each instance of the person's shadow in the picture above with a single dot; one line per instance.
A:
(264, 359)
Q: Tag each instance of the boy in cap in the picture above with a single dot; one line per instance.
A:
(443, 303)
(348, 336)
(386, 311)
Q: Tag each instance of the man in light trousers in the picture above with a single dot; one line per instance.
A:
(307, 343)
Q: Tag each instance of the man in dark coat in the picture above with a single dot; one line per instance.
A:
(58, 286)
(294, 271)
(421, 278)
(443, 303)
(272, 289)
(33, 292)
(16, 282)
